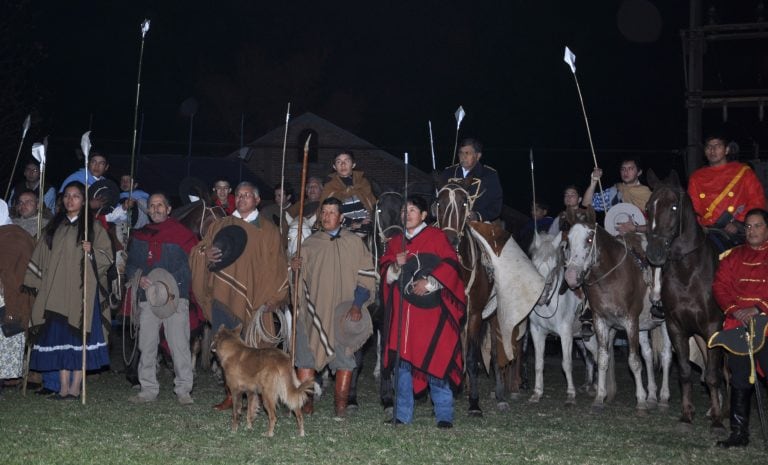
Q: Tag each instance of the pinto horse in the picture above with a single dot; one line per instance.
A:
(198, 216)
(613, 280)
(679, 250)
(556, 313)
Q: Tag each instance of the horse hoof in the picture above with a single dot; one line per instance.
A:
(652, 404)
(514, 395)
(475, 413)
(641, 412)
(663, 405)
(534, 399)
(570, 402)
(717, 429)
(597, 409)
(684, 427)
(502, 406)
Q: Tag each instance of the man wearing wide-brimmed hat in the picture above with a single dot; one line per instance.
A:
(158, 262)
(239, 269)
(337, 279)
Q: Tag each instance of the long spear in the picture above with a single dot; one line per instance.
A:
(395, 374)
(533, 187)
(38, 152)
(25, 128)
(570, 59)
(432, 147)
(459, 117)
(144, 30)
(296, 287)
(85, 145)
(282, 170)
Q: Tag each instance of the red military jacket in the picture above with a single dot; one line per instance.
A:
(732, 188)
(741, 281)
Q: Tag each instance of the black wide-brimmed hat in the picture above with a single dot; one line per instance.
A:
(417, 267)
(231, 240)
(107, 190)
(192, 186)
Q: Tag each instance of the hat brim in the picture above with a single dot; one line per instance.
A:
(168, 308)
(351, 334)
(231, 240)
(622, 213)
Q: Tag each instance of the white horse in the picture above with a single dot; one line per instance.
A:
(293, 231)
(556, 313)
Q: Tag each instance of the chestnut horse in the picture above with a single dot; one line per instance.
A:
(679, 250)
(612, 277)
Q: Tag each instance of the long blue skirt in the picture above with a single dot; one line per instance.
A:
(60, 348)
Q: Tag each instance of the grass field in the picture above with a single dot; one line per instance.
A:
(109, 430)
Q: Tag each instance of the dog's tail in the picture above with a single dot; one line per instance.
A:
(297, 394)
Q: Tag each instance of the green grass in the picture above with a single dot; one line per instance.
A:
(109, 430)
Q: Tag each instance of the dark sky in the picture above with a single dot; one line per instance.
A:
(379, 69)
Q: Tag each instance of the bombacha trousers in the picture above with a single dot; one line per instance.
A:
(176, 329)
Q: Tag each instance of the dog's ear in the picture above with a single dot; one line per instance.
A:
(222, 327)
(238, 330)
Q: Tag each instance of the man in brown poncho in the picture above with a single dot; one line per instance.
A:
(336, 269)
(232, 294)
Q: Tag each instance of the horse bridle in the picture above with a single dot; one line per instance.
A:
(452, 209)
(592, 259)
(666, 240)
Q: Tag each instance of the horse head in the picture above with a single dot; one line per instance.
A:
(580, 254)
(388, 219)
(293, 231)
(670, 216)
(452, 209)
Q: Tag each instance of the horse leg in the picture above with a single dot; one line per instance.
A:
(588, 351)
(610, 378)
(680, 343)
(714, 380)
(647, 354)
(474, 359)
(539, 336)
(500, 374)
(635, 365)
(603, 340)
(666, 363)
(566, 344)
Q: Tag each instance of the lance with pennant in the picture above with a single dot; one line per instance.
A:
(570, 59)
(460, 113)
(85, 145)
(144, 30)
(24, 130)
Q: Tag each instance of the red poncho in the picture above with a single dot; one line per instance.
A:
(430, 338)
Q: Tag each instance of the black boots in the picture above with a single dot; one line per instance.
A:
(740, 407)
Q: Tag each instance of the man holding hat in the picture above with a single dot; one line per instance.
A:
(337, 279)
(239, 269)
(159, 255)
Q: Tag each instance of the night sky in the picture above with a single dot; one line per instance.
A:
(380, 70)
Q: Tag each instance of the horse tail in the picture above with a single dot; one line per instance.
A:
(657, 344)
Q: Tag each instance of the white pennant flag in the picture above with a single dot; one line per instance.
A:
(144, 28)
(85, 145)
(27, 122)
(459, 116)
(570, 58)
(38, 152)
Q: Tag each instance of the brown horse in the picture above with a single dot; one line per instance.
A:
(612, 277)
(198, 216)
(679, 249)
(452, 211)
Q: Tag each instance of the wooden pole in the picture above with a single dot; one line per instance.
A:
(282, 170)
(297, 274)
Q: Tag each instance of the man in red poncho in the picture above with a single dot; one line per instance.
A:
(426, 330)
(723, 192)
(740, 290)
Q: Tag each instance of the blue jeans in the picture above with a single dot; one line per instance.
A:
(439, 390)
(51, 380)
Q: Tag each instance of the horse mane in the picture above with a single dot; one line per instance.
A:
(544, 252)
(185, 210)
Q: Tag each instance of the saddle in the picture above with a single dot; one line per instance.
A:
(736, 340)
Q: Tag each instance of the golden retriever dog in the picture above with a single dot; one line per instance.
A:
(254, 372)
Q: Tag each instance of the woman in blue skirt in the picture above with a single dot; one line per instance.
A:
(56, 272)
